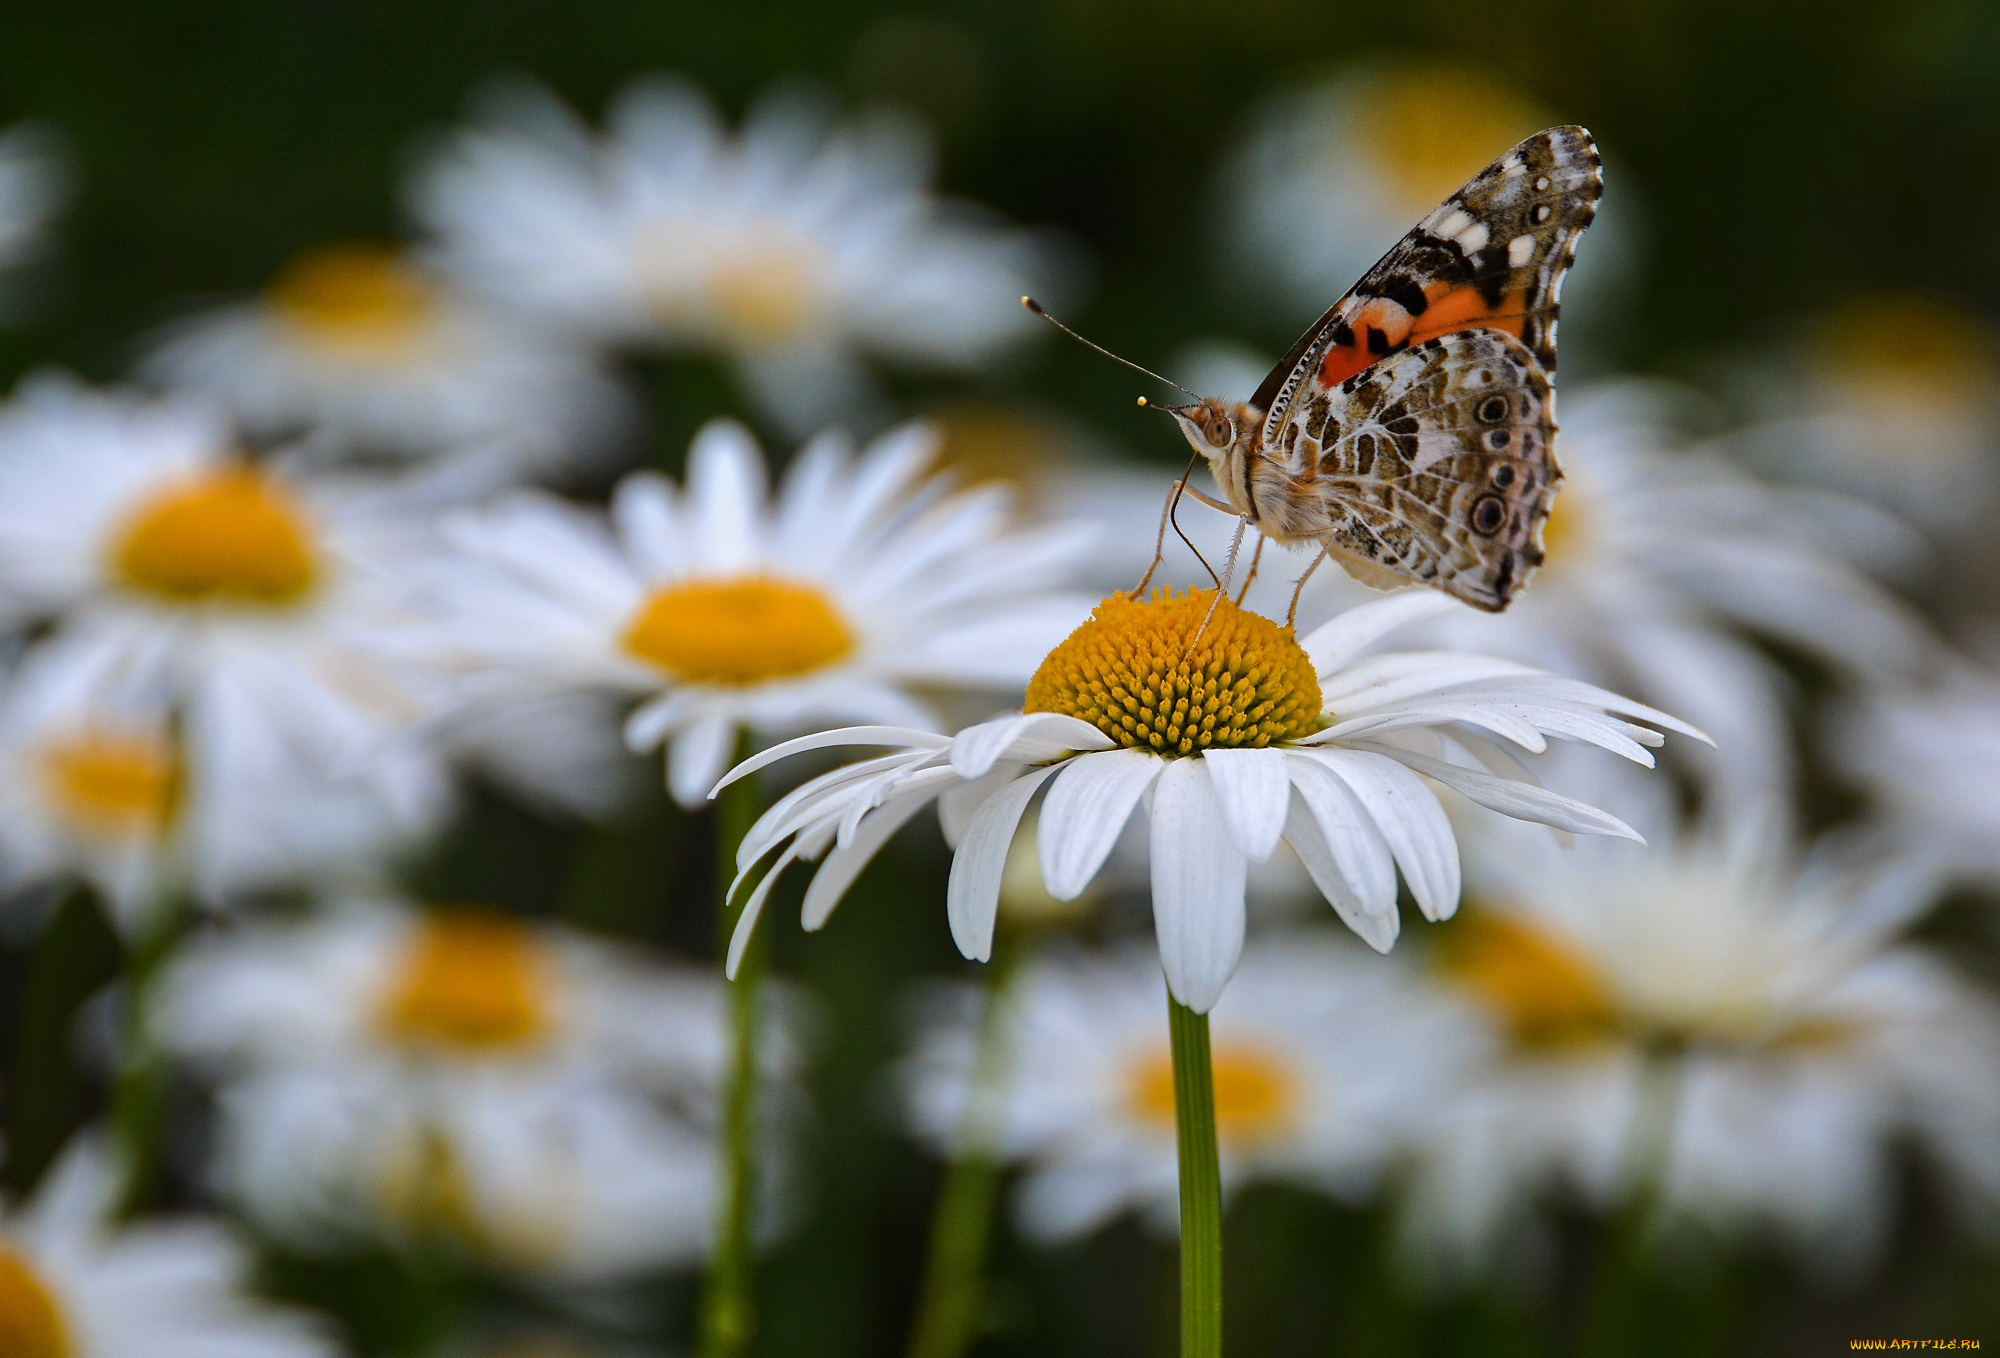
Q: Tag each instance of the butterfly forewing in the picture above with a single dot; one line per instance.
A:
(1492, 255)
(1435, 465)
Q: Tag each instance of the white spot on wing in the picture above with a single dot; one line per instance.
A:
(1473, 238)
(1452, 223)
(1520, 250)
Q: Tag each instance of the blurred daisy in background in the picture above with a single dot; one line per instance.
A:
(366, 352)
(463, 1078)
(1892, 397)
(1705, 1021)
(793, 248)
(1235, 737)
(1928, 759)
(74, 1283)
(255, 601)
(1320, 1077)
(1330, 176)
(1662, 559)
(846, 596)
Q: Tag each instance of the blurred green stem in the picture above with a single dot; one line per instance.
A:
(728, 1317)
(140, 1092)
(954, 1275)
(1612, 1325)
(1201, 1184)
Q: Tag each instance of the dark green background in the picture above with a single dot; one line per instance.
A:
(1789, 154)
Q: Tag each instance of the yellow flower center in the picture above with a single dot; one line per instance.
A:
(31, 1323)
(1256, 1092)
(1546, 993)
(766, 289)
(1906, 345)
(744, 631)
(1431, 128)
(472, 981)
(232, 536)
(1152, 675)
(357, 301)
(1569, 528)
(114, 784)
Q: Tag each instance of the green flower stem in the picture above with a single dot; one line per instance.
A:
(1201, 1184)
(139, 1094)
(954, 1289)
(728, 1309)
(1612, 1321)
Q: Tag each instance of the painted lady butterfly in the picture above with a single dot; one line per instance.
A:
(1410, 431)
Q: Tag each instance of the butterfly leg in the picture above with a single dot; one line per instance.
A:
(1160, 538)
(1251, 579)
(1292, 613)
(1222, 585)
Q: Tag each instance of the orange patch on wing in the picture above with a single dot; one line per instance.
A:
(1451, 308)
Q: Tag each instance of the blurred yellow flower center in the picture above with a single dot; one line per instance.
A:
(1150, 675)
(1256, 1092)
(114, 784)
(767, 289)
(232, 536)
(1909, 345)
(471, 980)
(31, 1324)
(1567, 529)
(1431, 128)
(361, 301)
(743, 631)
(1547, 994)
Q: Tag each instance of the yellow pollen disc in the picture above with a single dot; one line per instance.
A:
(361, 301)
(471, 980)
(743, 631)
(1151, 676)
(232, 536)
(31, 1323)
(114, 784)
(1911, 344)
(1430, 128)
(767, 290)
(1256, 1092)
(1546, 993)
(1567, 529)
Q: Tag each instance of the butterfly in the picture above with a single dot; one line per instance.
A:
(1410, 432)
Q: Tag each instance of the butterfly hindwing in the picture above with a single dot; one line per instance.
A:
(1436, 465)
(1492, 255)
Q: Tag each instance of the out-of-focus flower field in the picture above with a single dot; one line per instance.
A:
(439, 442)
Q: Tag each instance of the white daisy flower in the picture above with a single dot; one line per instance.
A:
(1659, 559)
(1235, 737)
(1330, 176)
(365, 350)
(788, 247)
(463, 1076)
(253, 600)
(1893, 398)
(1704, 1014)
(74, 1284)
(1929, 759)
(1320, 1077)
(840, 599)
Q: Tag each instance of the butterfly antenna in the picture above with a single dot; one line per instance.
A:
(1036, 307)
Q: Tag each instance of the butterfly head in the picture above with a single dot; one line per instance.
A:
(1214, 426)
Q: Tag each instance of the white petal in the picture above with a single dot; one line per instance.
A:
(1408, 814)
(972, 897)
(902, 737)
(1334, 643)
(1255, 793)
(746, 921)
(698, 756)
(1376, 928)
(1023, 738)
(845, 863)
(726, 486)
(1199, 879)
(1087, 808)
(1359, 852)
(1523, 801)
